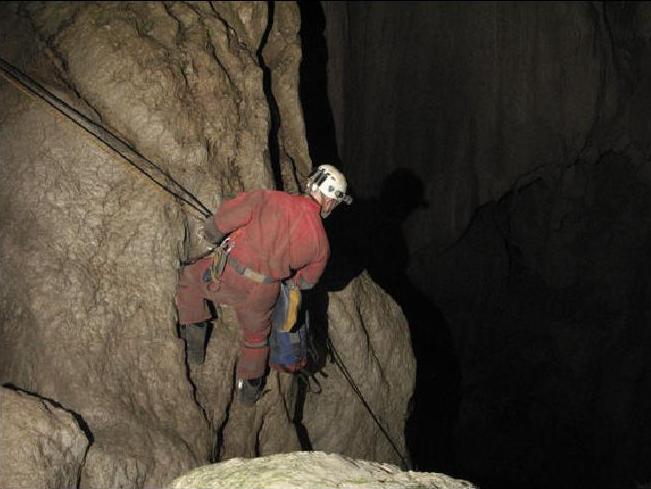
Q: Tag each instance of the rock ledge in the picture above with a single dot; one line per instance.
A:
(310, 470)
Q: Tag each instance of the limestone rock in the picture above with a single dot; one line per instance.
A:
(371, 337)
(311, 470)
(282, 56)
(91, 248)
(41, 444)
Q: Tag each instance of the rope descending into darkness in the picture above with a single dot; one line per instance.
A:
(144, 165)
(342, 366)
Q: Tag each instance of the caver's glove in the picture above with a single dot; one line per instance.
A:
(210, 231)
(294, 304)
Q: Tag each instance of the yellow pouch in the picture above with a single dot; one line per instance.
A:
(294, 303)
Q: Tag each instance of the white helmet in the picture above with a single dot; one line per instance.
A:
(330, 182)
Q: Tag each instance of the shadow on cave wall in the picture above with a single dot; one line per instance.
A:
(549, 288)
(369, 235)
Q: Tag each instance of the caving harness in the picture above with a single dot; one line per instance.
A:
(221, 256)
(289, 340)
(249, 272)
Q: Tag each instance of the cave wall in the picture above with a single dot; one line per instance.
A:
(42, 445)
(506, 146)
(474, 98)
(91, 249)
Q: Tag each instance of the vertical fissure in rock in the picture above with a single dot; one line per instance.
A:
(603, 40)
(82, 465)
(274, 123)
(218, 432)
(301, 429)
(194, 390)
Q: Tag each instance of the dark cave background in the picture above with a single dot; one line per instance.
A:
(499, 158)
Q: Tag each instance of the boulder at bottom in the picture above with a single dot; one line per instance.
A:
(310, 470)
(41, 445)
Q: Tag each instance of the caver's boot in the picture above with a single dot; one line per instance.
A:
(249, 390)
(195, 341)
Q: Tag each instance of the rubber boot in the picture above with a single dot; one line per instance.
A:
(249, 390)
(195, 342)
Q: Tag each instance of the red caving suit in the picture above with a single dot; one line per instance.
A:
(278, 235)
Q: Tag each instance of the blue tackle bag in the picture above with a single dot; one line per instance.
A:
(288, 349)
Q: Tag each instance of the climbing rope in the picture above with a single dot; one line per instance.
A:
(342, 367)
(154, 172)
